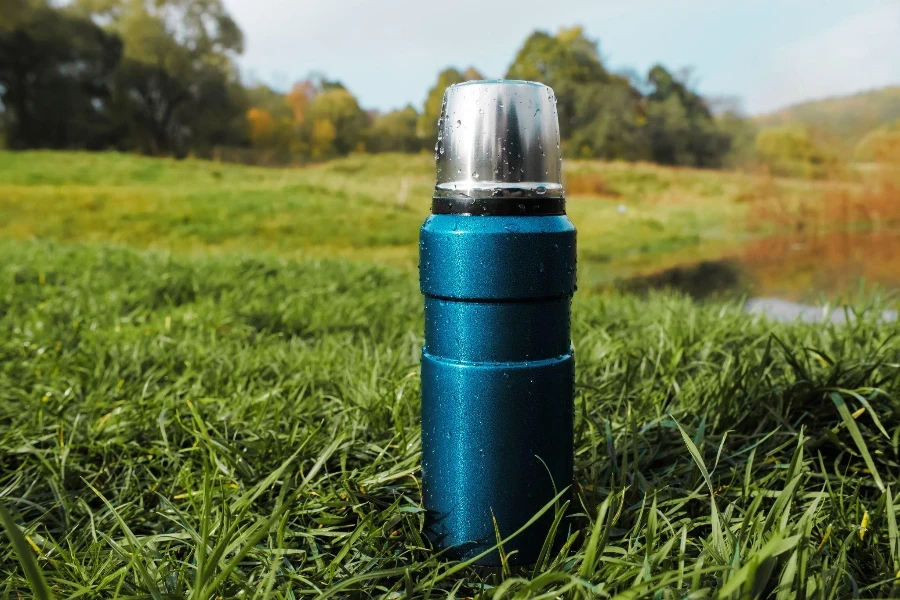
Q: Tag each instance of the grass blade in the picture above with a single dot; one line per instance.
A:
(26, 556)
(596, 542)
(548, 541)
(136, 546)
(718, 541)
(850, 423)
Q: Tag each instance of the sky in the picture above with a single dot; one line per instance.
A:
(766, 53)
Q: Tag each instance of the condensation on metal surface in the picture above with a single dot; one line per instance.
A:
(497, 365)
(498, 139)
(497, 258)
(497, 377)
(496, 443)
(458, 329)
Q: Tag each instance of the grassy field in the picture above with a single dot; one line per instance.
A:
(209, 388)
(630, 218)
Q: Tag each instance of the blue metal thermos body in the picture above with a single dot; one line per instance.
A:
(497, 269)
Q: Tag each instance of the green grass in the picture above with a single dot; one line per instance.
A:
(356, 208)
(224, 426)
(236, 414)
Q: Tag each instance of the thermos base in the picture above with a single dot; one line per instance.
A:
(497, 448)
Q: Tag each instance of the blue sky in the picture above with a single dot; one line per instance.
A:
(767, 53)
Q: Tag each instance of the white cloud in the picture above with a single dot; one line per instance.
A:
(860, 53)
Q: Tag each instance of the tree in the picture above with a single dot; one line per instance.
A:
(566, 62)
(262, 127)
(272, 133)
(14, 12)
(177, 88)
(427, 128)
(339, 108)
(323, 138)
(270, 123)
(395, 132)
(55, 79)
(165, 32)
(605, 115)
(299, 97)
(681, 128)
(600, 114)
(265, 98)
(612, 122)
(740, 131)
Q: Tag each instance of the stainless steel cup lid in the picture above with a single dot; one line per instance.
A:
(498, 139)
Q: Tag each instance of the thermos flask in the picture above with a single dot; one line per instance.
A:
(497, 269)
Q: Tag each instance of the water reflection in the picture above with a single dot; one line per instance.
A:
(700, 280)
(831, 265)
(784, 310)
(795, 268)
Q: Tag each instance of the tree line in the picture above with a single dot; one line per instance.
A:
(160, 77)
(602, 114)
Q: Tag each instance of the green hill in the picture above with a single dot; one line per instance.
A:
(842, 121)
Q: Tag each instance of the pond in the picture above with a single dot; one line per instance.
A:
(788, 274)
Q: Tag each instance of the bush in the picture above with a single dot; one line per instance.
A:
(792, 152)
(880, 146)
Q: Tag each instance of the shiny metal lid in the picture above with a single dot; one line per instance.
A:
(498, 139)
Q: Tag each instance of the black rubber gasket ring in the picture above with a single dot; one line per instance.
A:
(538, 207)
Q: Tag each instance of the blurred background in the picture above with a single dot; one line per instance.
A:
(211, 326)
(717, 148)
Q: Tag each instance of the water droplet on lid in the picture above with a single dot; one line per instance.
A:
(458, 122)
(540, 190)
(442, 149)
(475, 175)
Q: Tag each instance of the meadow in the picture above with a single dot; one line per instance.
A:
(209, 389)
(632, 219)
